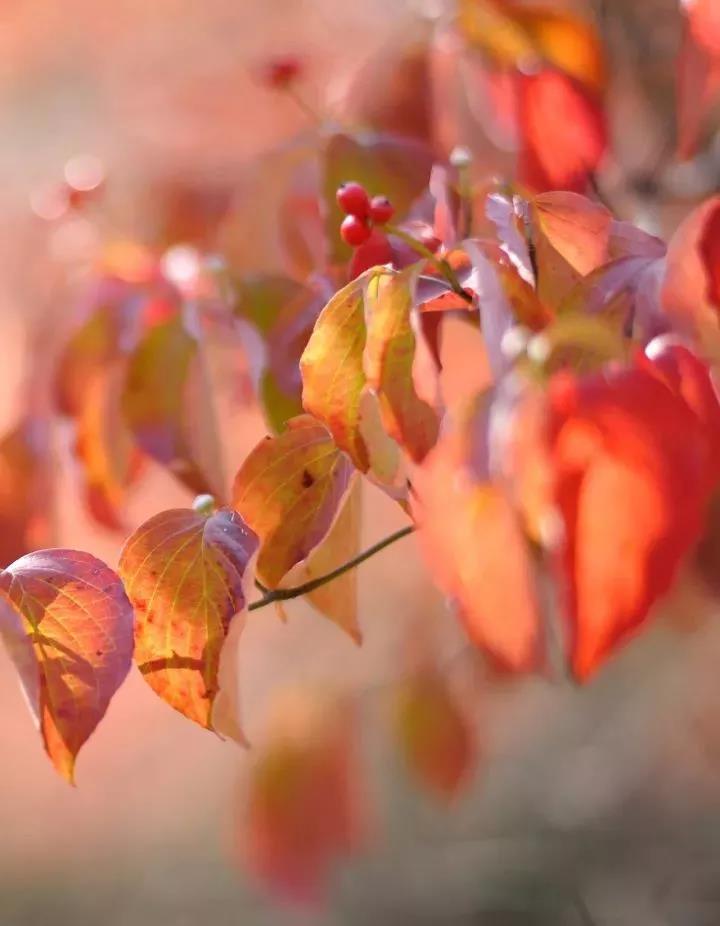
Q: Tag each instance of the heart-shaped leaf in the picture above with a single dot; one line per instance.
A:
(288, 491)
(67, 623)
(184, 574)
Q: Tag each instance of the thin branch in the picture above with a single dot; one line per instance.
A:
(284, 594)
(442, 265)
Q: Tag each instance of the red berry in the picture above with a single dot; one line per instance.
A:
(354, 231)
(353, 199)
(281, 71)
(381, 210)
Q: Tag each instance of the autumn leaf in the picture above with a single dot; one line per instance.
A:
(288, 491)
(166, 405)
(109, 459)
(434, 734)
(690, 288)
(26, 491)
(67, 624)
(184, 573)
(332, 369)
(516, 35)
(283, 313)
(111, 325)
(563, 132)
(388, 363)
(303, 811)
(630, 464)
(698, 73)
(472, 542)
(338, 599)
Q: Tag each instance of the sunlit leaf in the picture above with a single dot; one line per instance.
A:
(166, 404)
(631, 486)
(434, 734)
(338, 599)
(563, 132)
(288, 491)
(304, 811)
(388, 361)
(332, 369)
(184, 574)
(68, 627)
(474, 548)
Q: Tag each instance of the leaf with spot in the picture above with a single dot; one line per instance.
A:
(166, 404)
(288, 491)
(184, 573)
(67, 624)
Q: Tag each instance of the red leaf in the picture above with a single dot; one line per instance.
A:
(563, 132)
(474, 547)
(698, 73)
(303, 812)
(630, 465)
(68, 626)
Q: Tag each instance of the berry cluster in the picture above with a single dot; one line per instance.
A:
(362, 213)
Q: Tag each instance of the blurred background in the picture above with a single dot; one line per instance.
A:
(599, 805)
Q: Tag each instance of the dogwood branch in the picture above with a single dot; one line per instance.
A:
(284, 594)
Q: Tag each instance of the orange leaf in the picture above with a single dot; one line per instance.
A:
(26, 496)
(435, 737)
(167, 406)
(388, 361)
(68, 627)
(183, 573)
(473, 544)
(630, 467)
(332, 368)
(104, 447)
(516, 35)
(288, 491)
(563, 135)
(337, 600)
(303, 809)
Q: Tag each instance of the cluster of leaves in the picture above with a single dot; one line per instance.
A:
(560, 502)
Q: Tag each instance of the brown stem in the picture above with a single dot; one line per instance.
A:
(284, 594)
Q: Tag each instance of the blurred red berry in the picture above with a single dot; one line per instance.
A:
(377, 250)
(381, 210)
(354, 231)
(280, 72)
(353, 199)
